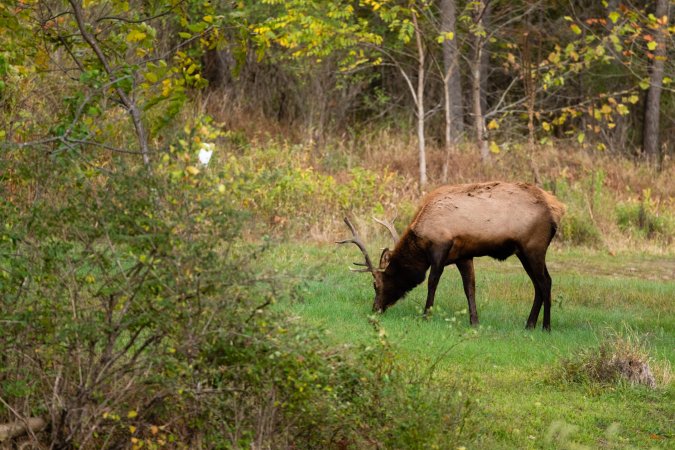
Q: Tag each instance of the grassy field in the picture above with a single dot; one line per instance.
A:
(512, 375)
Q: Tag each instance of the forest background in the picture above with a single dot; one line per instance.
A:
(139, 304)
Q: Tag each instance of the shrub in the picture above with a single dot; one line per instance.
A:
(643, 219)
(280, 188)
(618, 359)
(131, 318)
(579, 229)
(110, 284)
(293, 392)
(578, 226)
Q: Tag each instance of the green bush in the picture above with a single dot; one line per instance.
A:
(292, 391)
(578, 226)
(579, 229)
(280, 188)
(131, 317)
(110, 282)
(643, 219)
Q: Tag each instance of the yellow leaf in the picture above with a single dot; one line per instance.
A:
(132, 429)
(447, 36)
(151, 77)
(494, 148)
(154, 429)
(651, 45)
(633, 99)
(575, 28)
(135, 36)
(192, 170)
(546, 126)
(208, 19)
(493, 125)
(131, 414)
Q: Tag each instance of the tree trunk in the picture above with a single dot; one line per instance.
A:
(650, 140)
(529, 74)
(476, 91)
(485, 59)
(420, 105)
(452, 86)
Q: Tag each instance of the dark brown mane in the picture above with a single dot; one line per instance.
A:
(407, 268)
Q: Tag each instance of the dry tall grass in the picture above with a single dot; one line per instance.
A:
(596, 185)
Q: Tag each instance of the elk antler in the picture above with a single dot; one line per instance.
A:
(389, 227)
(368, 265)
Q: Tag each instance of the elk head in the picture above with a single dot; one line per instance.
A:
(379, 305)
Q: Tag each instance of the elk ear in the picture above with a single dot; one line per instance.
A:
(384, 258)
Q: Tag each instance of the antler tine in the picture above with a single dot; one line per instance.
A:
(357, 241)
(389, 227)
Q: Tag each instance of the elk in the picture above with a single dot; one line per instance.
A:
(455, 224)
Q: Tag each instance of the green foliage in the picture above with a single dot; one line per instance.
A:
(112, 282)
(305, 393)
(277, 184)
(578, 226)
(644, 219)
(135, 289)
(579, 229)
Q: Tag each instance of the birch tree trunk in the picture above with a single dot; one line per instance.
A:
(452, 86)
(420, 104)
(476, 91)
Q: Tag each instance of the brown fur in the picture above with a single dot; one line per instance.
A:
(454, 224)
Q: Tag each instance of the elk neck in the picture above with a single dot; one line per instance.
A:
(407, 267)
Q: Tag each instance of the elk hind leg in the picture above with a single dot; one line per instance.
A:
(535, 266)
(546, 291)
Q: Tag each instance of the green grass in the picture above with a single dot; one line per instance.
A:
(519, 402)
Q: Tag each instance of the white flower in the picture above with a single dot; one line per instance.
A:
(205, 152)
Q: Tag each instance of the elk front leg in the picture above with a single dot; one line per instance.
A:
(434, 275)
(465, 267)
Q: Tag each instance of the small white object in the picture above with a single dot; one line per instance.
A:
(205, 153)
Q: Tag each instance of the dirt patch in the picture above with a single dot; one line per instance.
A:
(651, 269)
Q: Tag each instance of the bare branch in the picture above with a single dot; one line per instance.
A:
(128, 103)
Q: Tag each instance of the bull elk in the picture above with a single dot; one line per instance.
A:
(455, 224)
